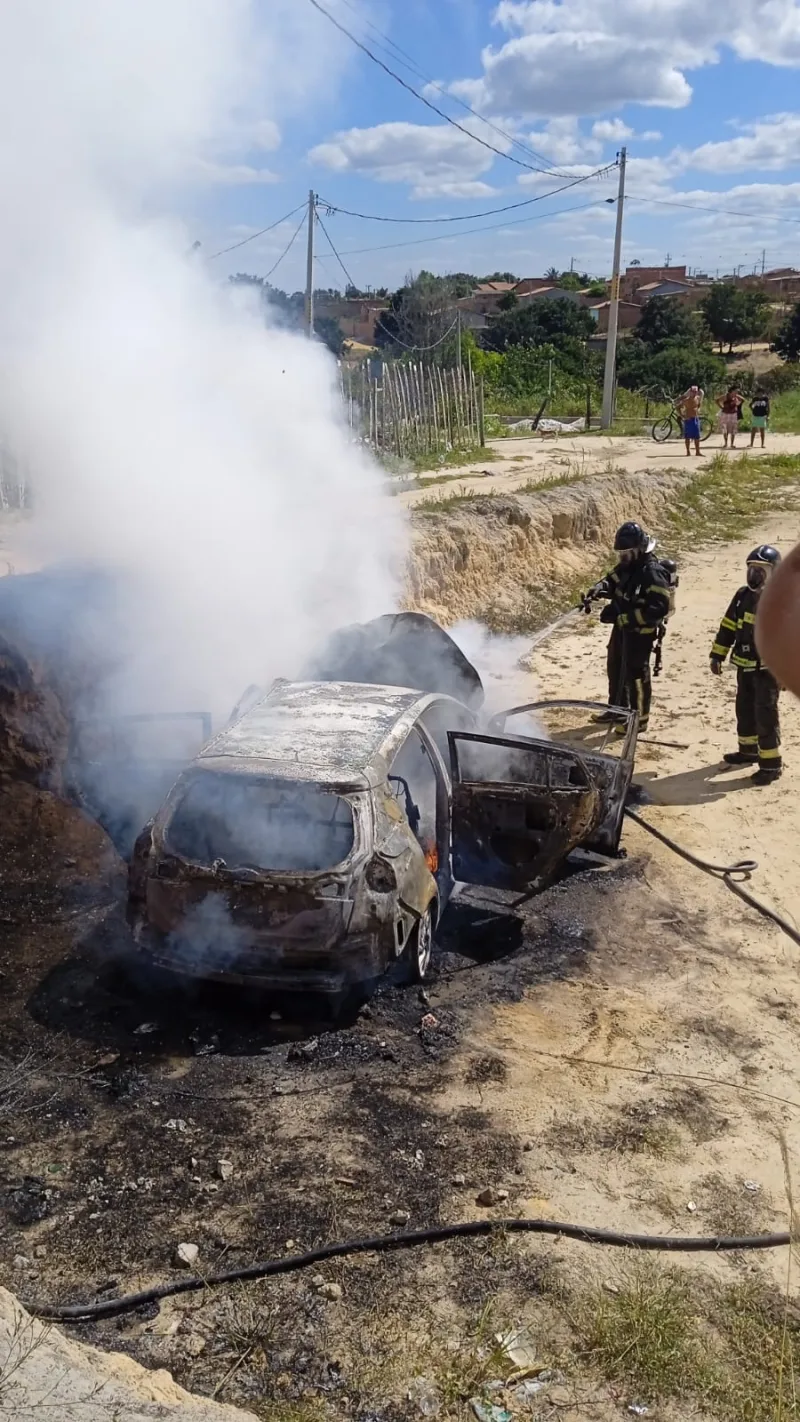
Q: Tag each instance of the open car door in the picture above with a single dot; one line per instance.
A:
(122, 768)
(521, 805)
(607, 749)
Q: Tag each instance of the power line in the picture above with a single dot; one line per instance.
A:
(253, 235)
(493, 227)
(408, 62)
(427, 102)
(722, 211)
(469, 216)
(288, 248)
(335, 253)
(420, 349)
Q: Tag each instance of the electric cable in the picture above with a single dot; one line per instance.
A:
(493, 227)
(335, 253)
(287, 249)
(378, 1244)
(734, 876)
(253, 235)
(420, 349)
(417, 95)
(468, 216)
(408, 62)
(722, 211)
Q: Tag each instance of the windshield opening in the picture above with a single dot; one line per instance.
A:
(261, 824)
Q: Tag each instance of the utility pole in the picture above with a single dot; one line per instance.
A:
(458, 319)
(763, 260)
(607, 417)
(312, 218)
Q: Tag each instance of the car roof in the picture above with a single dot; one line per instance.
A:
(325, 732)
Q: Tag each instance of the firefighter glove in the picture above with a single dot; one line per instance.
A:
(716, 666)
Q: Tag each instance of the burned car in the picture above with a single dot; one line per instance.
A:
(317, 839)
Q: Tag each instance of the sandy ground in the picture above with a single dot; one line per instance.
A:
(621, 1051)
(688, 980)
(533, 460)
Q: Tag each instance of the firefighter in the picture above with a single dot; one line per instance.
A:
(757, 691)
(639, 604)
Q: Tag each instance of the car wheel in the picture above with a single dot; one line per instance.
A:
(420, 947)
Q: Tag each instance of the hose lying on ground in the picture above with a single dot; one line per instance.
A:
(438, 1234)
(734, 876)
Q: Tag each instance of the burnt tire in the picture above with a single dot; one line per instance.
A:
(419, 953)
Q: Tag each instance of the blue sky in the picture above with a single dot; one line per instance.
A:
(705, 98)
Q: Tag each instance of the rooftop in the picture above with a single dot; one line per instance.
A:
(327, 732)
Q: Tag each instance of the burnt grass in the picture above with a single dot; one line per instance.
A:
(111, 1137)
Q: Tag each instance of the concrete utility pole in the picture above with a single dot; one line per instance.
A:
(607, 417)
(312, 218)
(458, 320)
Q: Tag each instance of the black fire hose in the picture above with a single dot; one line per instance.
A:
(734, 876)
(378, 1244)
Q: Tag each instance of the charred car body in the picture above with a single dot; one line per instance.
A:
(317, 839)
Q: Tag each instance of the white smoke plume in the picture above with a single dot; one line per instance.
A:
(171, 437)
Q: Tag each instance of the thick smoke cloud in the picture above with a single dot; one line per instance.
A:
(171, 438)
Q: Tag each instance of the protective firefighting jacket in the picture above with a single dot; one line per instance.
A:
(640, 596)
(737, 631)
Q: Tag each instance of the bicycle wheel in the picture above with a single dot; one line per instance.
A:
(706, 427)
(663, 429)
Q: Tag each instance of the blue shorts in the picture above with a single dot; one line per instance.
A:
(691, 428)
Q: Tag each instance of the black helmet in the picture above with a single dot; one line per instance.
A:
(764, 556)
(632, 536)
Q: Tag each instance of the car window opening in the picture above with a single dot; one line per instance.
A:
(413, 782)
(261, 824)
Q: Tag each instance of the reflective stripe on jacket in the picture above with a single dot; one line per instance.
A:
(737, 632)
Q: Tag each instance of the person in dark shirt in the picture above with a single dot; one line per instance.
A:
(759, 417)
(730, 405)
(639, 604)
(757, 691)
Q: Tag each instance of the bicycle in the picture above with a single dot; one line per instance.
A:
(671, 426)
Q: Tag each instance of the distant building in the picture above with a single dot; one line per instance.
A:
(635, 277)
(357, 317)
(629, 315)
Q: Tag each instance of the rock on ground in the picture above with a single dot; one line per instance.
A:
(43, 1373)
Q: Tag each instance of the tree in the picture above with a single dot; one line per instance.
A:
(327, 330)
(570, 281)
(508, 302)
(552, 274)
(501, 276)
(787, 341)
(419, 318)
(674, 368)
(598, 288)
(537, 322)
(663, 321)
(733, 315)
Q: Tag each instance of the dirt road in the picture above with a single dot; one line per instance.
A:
(533, 460)
(682, 977)
(621, 1051)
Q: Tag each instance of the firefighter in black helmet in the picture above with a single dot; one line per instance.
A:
(757, 691)
(639, 603)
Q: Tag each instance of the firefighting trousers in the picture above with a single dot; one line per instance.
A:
(757, 718)
(628, 665)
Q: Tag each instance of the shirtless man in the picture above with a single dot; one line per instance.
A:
(689, 406)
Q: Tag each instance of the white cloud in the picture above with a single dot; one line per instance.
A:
(562, 142)
(770, 143)
(266, 135)
(652, 135)
(231, 175)
(589, 56)
(611, 130)
(436, 160)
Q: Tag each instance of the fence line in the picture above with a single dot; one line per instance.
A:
(15, 488)
(411, 409)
